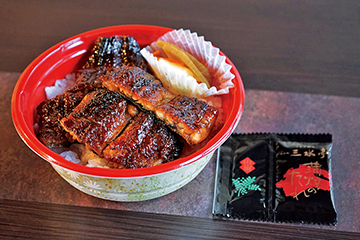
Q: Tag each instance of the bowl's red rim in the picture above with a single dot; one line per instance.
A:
(29, 138)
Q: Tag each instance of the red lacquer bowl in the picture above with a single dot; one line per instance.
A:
(67, 57)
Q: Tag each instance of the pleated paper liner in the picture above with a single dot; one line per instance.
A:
(203, 51)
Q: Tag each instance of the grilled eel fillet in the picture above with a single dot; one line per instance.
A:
(111, 127)
(116, 51)
(51, 111)
(189, 117)
(138, 86)
(98, 119)
(144, 143)
(106, 53)
(112, 52)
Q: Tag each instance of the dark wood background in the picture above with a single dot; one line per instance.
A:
(301, 46)
(48, 221)
(297, 46)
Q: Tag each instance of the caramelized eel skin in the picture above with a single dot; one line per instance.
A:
(144, 143)
(138, 86)
(98, 119)
(51, 111)
(96, 111)
(107, 53)
(116, 51)
(190, 117)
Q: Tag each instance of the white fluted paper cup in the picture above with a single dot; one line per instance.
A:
(181, 83)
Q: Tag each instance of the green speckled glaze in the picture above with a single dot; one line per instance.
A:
(137, 188)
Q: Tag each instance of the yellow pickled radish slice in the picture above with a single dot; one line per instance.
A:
(199, 66)
(188, 63)
(179, 66)
(176, 53)
(183, 57)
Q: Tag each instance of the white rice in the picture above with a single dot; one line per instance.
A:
(71, 156)
(78, 153)
(60, 86)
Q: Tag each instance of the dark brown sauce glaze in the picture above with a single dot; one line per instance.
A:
(97, 113)
(189, 117)
(116, 51)
(138, 86)
(105, 54)
(144, 143)
(188, 110)
(51, 111)
(98, 119)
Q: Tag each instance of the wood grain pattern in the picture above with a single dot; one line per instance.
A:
(50, 221)
(301, 46)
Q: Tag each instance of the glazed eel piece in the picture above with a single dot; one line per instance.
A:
(106, 53)
(189, 117)
(98, 119)
(115, 129)
(50, 112)
(116, 51)
(145, 142)
(111, 52)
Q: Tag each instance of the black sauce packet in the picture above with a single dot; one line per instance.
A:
(275, 177)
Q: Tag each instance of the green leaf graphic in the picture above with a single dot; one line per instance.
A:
(242, 185)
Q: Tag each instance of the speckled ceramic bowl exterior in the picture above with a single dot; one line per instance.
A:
(113, 184)
(134, 189)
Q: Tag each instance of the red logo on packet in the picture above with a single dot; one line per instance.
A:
(247, 165)
(306, 178)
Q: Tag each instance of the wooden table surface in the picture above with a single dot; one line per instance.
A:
(300, 65)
